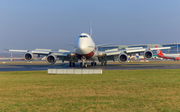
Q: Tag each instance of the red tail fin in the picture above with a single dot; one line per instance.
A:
(159, 53)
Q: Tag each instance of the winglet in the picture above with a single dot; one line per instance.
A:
(6, 49)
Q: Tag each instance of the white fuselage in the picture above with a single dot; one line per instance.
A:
(172, 55)
(168, 56)
(85, 47)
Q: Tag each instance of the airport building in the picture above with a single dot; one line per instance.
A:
(174, 47)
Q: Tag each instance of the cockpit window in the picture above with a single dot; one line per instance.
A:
(82, 36)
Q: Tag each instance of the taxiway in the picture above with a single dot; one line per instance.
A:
(42, 65)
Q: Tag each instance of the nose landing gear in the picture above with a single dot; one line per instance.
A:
(83, 63)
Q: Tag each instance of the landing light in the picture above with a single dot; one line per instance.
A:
(100, 54)
(72, 54)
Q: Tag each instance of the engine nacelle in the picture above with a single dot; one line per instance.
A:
(123, 58)
(148, 54)
(51, 59)
(28, 56)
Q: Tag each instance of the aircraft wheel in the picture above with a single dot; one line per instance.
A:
(85, 65)
(91, 63)
(70, 64)
(81, 65)
(105, 63)
(101, 63)
(94, 63)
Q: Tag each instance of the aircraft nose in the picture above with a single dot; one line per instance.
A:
(82, 48)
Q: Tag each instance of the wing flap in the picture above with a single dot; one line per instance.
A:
(135, 50)
(42, 49)
(13, 50)
(116, 49)
(60, 54)
(40, 52)
(160, 48)
(62, 50)
(113, 53)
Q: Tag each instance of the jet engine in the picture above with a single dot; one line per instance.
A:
(148, 54)
(51, 59)
(123, 58)
(28, 56)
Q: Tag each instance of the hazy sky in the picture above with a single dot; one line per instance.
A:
(30, 24)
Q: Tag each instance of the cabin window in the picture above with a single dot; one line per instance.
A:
(83, 36)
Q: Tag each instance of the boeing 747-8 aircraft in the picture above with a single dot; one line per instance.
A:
(85, 49)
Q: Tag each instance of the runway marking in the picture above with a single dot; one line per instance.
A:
(64, 65)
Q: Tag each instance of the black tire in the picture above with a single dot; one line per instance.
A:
(70, 64)
(81, 65)
(85, 65)
(101, 63)
(105, 64)
(91, 63)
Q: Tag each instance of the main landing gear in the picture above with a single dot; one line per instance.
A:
(93, 63)
(103, 63)
(71, 64)
(83, 64)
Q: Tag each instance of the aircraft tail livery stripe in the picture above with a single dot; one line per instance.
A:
(159, 52)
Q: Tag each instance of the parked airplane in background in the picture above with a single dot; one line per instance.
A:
(167, 56)
(84, 50)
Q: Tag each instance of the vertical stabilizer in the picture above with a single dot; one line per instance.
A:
(159, 52)
(91, 29)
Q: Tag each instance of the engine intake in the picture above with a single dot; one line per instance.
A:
(123, 58)
(148, 54)
(28, 56)
(51, 59)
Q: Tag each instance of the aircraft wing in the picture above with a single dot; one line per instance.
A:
(129, 51)
(51, 56)
(43, 51)
(122, 55)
